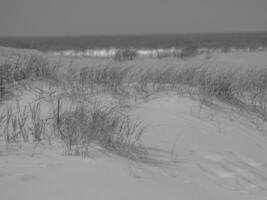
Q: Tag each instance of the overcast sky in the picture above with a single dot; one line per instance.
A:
(104, 17)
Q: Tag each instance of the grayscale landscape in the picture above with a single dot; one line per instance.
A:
(130, 112)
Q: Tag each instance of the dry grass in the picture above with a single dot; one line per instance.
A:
(107, 126)
(91, 122)
(33, 67)
(206, 81)
(238, 85)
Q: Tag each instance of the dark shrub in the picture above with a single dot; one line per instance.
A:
(125, 54)
(188, 51)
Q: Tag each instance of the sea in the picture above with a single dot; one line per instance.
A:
(144, 44)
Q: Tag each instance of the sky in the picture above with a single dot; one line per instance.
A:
(112, 17)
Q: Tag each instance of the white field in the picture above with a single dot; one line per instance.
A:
(215, 153)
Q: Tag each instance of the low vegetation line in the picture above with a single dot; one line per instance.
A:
(87, 121)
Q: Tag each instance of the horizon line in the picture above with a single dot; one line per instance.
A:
(135, 34)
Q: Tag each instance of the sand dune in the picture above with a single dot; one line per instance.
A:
(193, 152)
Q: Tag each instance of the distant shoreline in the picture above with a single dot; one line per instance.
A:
(251, 40)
